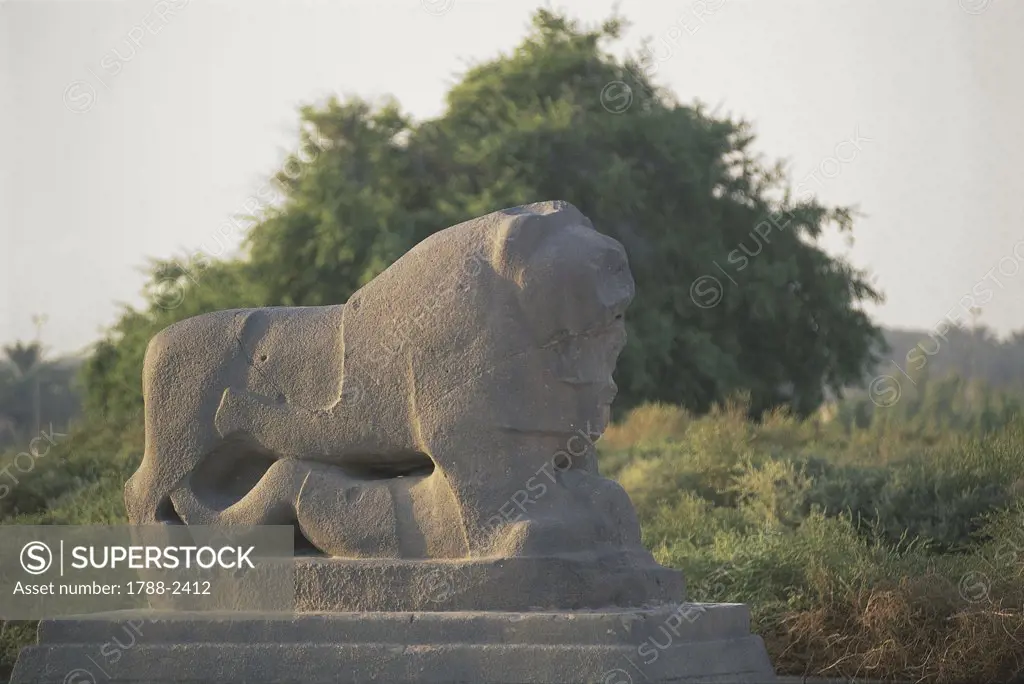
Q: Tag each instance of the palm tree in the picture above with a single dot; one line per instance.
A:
(35, 392)
(24, 356)
(21, 376)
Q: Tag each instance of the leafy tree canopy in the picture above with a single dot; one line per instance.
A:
(679, 187)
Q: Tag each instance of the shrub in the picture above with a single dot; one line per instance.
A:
(883, 552)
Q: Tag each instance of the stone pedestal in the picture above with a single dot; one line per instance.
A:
(672, 643)
(623, 579)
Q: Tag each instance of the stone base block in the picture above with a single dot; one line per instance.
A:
(624, 579)
(673, 643)
(556, 583)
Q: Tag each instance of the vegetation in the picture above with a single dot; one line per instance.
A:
(35, 393)
(882, 552)
(876, 535)
(679, 187)
(972, 352)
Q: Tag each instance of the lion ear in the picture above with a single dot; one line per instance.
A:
(526, 227)
(521, 236)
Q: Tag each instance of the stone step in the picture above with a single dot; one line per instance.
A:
(687, 621)
(733, 660)
(687, 643)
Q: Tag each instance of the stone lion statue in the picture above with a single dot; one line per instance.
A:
(447, 410)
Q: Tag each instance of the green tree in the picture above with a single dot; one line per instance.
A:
(679, 187)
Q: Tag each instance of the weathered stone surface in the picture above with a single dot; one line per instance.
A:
(586, 581)
(447, 410)
(676, 643)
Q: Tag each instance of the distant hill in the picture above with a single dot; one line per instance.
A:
(973, 353)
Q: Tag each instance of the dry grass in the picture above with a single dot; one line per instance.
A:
(919, 629)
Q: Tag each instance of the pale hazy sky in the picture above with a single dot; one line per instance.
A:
(112, 152)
